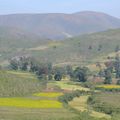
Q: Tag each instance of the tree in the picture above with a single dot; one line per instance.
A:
(109, 65)
(108, 76)
(14, 64)
(99, 47)
(58, 76)
(80, 74)
(24, 66)
(118, 82)
(69, 71)
(117, 66)
(50, 77)
(90, 47)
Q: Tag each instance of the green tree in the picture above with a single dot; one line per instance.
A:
(117, 66)
(58, 76)
(108, 76)
(80, 74)
(14, 64)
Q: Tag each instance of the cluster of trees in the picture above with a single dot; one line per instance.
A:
(47, 71)
(90, 47)
(112, 69)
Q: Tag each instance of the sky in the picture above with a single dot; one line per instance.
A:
(111, 7)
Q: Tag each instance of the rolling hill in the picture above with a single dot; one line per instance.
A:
(89, 48)
(59, 25)
(13, 41)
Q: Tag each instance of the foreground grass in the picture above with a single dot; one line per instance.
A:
(8, 113)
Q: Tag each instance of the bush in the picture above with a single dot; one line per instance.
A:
(118, 82)
(70, 96)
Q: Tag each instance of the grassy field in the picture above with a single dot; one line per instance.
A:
(111, 99)
(106, 102)
(81, 105)
(66, 85)
(19, 84)
(21, 99)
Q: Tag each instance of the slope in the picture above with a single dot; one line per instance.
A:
(59, 25)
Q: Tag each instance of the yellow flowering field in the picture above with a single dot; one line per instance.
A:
(109, 86)
(48, 94)
(29, 103)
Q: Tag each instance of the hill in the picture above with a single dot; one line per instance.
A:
(13, 40)
(89, 48)
(82, 49)
(58, 25)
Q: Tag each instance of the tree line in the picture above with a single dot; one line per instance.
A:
(47, 71)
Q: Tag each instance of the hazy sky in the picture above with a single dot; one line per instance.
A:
(111, 7)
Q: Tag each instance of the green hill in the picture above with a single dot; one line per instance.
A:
(78, 50)
(13, 41)
(81, 49)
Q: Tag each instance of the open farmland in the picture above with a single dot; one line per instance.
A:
(32, 103)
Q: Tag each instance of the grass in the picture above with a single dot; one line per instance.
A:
(8, 113)
(29, 103)
(66, 85)
(112, 99)
(14, 84)
(71, 51)
(81, 105)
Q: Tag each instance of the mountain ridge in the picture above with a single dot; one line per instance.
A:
(61, 25)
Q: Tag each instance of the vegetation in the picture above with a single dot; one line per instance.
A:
(73, 51)
(19, 84)
(109, 88)
(33, 88)
(105, 102)
(29, 103)
(48, 94)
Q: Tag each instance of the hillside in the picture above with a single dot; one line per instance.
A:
(77, 50)
(88, 48)
(58, 25)
(13, 41)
